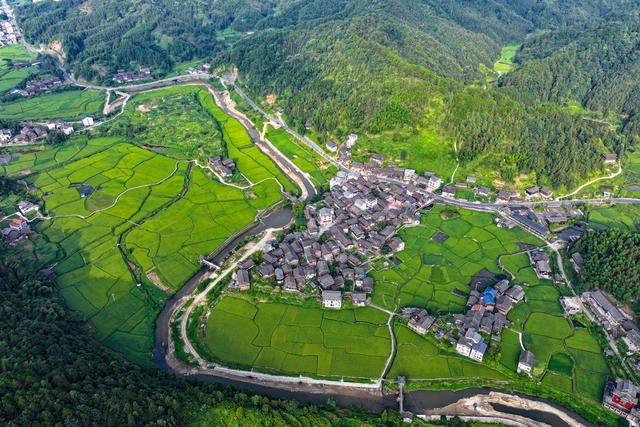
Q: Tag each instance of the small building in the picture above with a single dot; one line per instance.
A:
(571, 305)
(331, 146)
(531, 192)
(26, 207)
(351, 140)
(332, 299)
(67, 129)
(422, 323)
(449, 191)
(621, 397)
(325, 215)
(606, 309)
(87, 120)
(610, 159)
(290, 284)
(478, 350)
(632, 340)
(378, 158)
(577, 260)
(434, 182)
(5, 135)
(243, 282)
(472, 179)
(308, 125)
(51, 125)
(483, 191)
(525, 362)
(358, 299)
(545, 192)
(396, 244)
(18, 224)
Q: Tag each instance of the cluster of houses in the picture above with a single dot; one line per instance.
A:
(27, 134)
(488, 314)
(223, 167)
(202, 68)
(357, 219)
(61, 126)
(538, 221)
(8, 32)
(33, 86)
(418, 319)
(123, 76)
(17, 230)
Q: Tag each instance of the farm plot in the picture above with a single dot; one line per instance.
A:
(255, 165)
(307, 160)
(16, 52)
(108, 241)
(68, 105)
(283, 338)
(195, 225)
(155, 114)
(419, 359)
(432, 268)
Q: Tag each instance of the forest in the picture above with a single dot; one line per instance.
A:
(596, 66)
(611, 262)
(53, 372)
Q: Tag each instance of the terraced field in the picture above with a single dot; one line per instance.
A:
(69, 105)
(284, 338)
(136, 237)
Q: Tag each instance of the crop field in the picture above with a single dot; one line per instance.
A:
(505, 64)
(303, 157)
(621, 216)
(255, 165)
(10, 77)
(430, 270)
(156, 114)
(69, 105)
(559, 382)
(561, 363)
(510, 348)
(16, 52)
(418, 358)
(118, 236)
(277, 337)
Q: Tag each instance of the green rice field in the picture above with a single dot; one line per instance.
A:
(121, 251)
(430, 271)
(69, 105)
(16, 52)
(283, 338)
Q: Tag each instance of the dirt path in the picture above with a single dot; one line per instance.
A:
(613, 175)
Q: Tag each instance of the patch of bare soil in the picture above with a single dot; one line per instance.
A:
(100, 69)
(86, 8)
(498, 183)
(143, 107)
(156, 280)
(271, 99)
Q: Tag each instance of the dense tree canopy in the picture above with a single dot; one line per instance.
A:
(611, 262)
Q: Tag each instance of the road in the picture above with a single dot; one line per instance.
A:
(613, 175)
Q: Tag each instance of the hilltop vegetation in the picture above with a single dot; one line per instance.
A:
(611, 262)
(595, 66)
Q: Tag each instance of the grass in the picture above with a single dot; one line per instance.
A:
(11, 77)
(16, 52)
(285, 338)
(548, 325)
(590, 385)
(561, 363)
(68, 105)
(307, 160)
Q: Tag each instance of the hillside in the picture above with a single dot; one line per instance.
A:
(596, 67)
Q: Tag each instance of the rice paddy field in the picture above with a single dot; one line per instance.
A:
(303, 157)
(430, 271)
(16, 52)
(351, 343)
(419, 358)
(122, 249)
(68, 105)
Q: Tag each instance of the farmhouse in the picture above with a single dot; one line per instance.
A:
(449, 191)
(18, 224)
(632, 340)
(87, 120)
(609, 159)
(531, 192)
(605, 308)
(243, 282)
(540, 261)
(483, 191)
(26, 207)
(577, 261)
(621, 397)
(571, 305)
(331, 146)
(434, 182)
(5, 135)
(419, 320)
(308, 125)
(332, 299)
(525, 362)
(378, 158)
(472, 345)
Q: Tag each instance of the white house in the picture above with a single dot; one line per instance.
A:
(326, 215)
(434, 182)
(525, 362)
(67, 129)
(351, 140)
(332, 299)
(5, 135)
(87, 121)
(26, 207)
